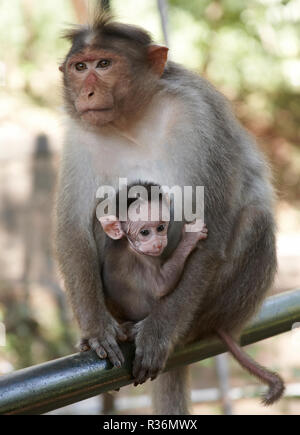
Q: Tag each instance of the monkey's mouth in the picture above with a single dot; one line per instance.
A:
(104, 109)
(156, 253)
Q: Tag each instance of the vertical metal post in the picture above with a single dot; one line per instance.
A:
(222, 369)
(163, 11)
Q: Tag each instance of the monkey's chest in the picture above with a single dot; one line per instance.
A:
(127, 296)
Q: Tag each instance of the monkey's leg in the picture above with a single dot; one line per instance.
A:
(82, 280)
(170, 392)
(79, 262)
(273, 380)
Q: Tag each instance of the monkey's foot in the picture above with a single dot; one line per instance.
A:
(105, 343)
(151, 351)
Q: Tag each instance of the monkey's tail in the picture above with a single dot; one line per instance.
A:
(170, 392)
(273, 380)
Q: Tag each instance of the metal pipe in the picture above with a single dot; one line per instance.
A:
(48, 386)
(163, 12)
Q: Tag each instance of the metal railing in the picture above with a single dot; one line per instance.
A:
(48, 386)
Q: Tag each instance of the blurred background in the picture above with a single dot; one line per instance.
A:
(250, 50)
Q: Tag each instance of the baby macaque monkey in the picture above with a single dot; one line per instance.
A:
(134, 274)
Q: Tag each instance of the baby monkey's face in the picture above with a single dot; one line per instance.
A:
(145, 234)
(147, 237)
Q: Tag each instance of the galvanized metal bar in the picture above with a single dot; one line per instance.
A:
(163, 12)
(48, 386)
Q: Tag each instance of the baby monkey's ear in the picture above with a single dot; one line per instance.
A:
(112, 227)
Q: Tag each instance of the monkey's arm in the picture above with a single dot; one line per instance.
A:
(80, 265)
(172, 269)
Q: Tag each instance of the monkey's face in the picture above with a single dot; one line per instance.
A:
(97, 82)
(147, 231)
(149, 238)
(108, 78)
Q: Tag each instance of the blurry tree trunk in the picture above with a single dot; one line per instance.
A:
(38, 258)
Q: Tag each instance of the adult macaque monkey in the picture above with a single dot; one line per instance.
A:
(135, 115)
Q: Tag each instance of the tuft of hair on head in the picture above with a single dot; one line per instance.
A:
(101, 17)
(73, 31)
(104, 22)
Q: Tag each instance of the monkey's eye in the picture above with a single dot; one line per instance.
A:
(80, 66)
(145, 233)
(103, 63)
(160, 228)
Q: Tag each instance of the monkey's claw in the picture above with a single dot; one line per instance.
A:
(83, 345)
(108, 348)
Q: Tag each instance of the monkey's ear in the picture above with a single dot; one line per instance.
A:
(112, 227)
(157, 56)
(61, 68)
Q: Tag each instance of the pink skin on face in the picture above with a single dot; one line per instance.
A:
(94, 75)
(146, 236)
(149, 238)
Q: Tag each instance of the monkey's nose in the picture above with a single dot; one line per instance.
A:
(157, 245)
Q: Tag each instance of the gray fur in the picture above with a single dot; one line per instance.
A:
(186, 135)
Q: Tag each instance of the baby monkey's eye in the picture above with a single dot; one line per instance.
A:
(103, 63)
(160, 228)
(80, 66)
(145, 232)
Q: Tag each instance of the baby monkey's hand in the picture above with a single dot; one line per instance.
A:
(193, 232)
(129, 329)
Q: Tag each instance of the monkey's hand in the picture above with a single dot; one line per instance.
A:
(193, 233)
(130, 330)
(105, 343)
(152, 350)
